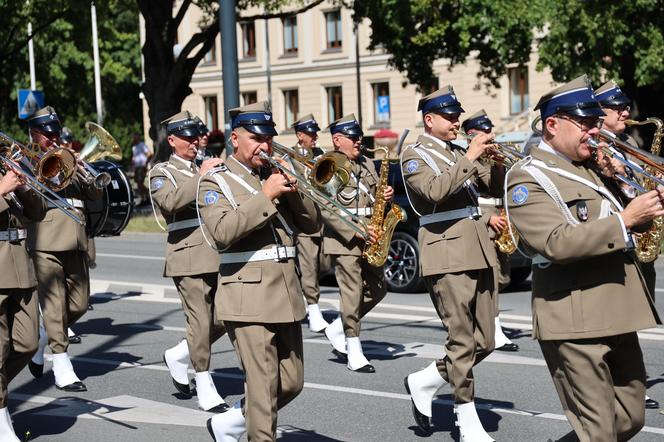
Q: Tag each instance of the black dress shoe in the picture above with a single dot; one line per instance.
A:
(221, 408)
(76, 387)
(422, 421)
(338, 354)
(182, 388)
(509, 347)
(365, 369)
(652, 404)
(90, 307)
(37, 370)
(76, 339)
(208, 424)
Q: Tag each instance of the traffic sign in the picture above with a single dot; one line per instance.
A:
(29, 102)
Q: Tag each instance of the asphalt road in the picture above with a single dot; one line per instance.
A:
(137, 315)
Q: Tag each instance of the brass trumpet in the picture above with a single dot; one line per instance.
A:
(503, 153)
(100, 145)
(13, 158)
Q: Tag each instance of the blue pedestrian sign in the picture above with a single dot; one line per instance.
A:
(29, 102)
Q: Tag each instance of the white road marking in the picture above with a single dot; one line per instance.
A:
(156, 293)
(167, 414)
(116, 255)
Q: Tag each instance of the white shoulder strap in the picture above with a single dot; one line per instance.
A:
(162, 169)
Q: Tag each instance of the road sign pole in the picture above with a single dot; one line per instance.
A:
(95, 52)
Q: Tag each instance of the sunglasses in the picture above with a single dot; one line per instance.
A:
(620, 108)
(585, 124)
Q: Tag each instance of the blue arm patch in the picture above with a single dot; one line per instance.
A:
(211, 197)
(411, 166)
(520, 194)
(156, 184)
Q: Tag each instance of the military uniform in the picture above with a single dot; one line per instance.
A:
(492, 206)
(58, 246)
(19, 315)
(456, 261)
(361, 285)
(309, 245)
(260, 299)
(191, 262)
(589, 298)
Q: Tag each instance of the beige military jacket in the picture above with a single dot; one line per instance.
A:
(455, 245)
(59, 233)
(358, 197)
(265, 291)
(304, 171)
(17, 269)
(591, 287)
(173, 186)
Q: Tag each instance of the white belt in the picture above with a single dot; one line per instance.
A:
(184, 224)
(495, 202)
(277, 253)
(13, 235)
(362, 211)
(74, 202)
(467, 212)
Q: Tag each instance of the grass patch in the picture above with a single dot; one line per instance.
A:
(145, 224)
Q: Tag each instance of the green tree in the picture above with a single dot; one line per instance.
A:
(617, 40)
(64, 64)
(167, 78)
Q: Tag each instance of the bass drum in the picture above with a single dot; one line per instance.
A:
(110, 215)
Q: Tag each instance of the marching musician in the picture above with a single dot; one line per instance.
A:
(588, 297)
(190, 261)
(616, 105)
(456, 255)
(18, 300)
(361, 285)
(252, 213)
(58, 246)
(491, 208)
(309, 246)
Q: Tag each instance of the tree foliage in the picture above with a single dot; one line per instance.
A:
(64, 63)
(618, 40)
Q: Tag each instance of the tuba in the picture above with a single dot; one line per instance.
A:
(649, 243)
(100, 145)
(382, 222)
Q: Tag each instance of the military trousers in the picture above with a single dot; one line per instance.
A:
(197, 294)
(19, 322)
(64, 291)
(271, 357)
(308, 251)
(361, 287)
(650, 276)
(466, 306)
(601, 385)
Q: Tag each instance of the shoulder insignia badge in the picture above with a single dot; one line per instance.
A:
(520, 194)
(211, 197)
(411, 166)
(157, 184)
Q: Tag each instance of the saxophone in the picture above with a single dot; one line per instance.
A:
(383, 223)
(503, 241)
(648, 243)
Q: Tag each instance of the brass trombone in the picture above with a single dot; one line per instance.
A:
(317, 189)
(13, 157)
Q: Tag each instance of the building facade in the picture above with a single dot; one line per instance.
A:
(307, 64)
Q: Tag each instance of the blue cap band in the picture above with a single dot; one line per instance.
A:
(581, 102)
(347, 128)
(482, 122)
(614, 96)
(252, 119)
(307, 126)
(442, 102)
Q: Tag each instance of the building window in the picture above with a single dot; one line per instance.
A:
(333, 28)
(519, 98)
(248, 39)
(211, 55)
(290, 35)
(292, 104)
(211, 112)
(381, 102)
(334, 107)
(249, 97)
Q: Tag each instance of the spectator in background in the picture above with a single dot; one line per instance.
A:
(141, 156)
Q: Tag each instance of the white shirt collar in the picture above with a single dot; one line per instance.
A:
(546, 148)
(185, 162)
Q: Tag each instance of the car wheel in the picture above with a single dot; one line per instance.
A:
(402, 265)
